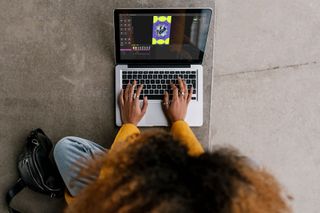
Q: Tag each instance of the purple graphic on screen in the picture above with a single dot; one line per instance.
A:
(161, 30)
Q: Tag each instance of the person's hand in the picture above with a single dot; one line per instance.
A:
(177, 108)
(130, 109)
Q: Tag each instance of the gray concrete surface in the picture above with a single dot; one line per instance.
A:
(265, 98)
(56, 63)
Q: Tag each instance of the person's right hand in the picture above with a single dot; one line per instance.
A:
(130, 109)
(176, 109)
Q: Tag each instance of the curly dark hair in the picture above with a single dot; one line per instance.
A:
(155, 173)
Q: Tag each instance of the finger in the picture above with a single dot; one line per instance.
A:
(165, 100)
(132, 90)
(185, 87)
(121, 101)
(126, 92)
(184, 90)
(181, 86)
(144, 105)
(139, 91)
(174, 92)
(190, 94)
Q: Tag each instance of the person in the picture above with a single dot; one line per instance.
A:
(161, 171)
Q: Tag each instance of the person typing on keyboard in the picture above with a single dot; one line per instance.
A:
(174, 109)
(159, 171)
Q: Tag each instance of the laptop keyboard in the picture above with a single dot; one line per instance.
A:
(157, 82)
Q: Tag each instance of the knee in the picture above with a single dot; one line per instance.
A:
(62, 147)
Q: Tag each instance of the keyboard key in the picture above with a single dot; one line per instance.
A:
(193, 82)
(152, 81)
(158, 86)
(147, 81)
(144, 76)
(154, 86)
(129, 77)
(157, 81)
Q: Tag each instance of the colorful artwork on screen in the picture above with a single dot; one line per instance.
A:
(161, 30)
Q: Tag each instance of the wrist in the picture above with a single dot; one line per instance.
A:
(175, 120)
(128, 122)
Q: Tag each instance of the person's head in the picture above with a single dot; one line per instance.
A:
(156, 174)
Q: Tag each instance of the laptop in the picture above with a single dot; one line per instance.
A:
(155, 47)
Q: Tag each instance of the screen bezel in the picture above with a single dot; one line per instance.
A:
(117, 12)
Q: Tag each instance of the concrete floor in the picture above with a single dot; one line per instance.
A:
(266, 99)
(56, 62)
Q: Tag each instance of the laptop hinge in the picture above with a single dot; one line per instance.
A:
(159, 65)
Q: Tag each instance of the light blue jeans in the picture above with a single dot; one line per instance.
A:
(70, 154)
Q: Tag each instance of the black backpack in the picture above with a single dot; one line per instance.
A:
(37, 169)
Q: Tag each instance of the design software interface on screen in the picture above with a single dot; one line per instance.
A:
(163, 36)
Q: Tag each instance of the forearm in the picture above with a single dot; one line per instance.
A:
(124, 132)
(183, 133)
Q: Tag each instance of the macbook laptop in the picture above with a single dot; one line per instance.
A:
(155, 47)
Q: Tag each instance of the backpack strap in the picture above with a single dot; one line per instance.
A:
(18, 186)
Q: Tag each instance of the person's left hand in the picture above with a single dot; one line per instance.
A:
(130, 109)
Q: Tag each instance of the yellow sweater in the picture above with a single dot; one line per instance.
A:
(179, 129)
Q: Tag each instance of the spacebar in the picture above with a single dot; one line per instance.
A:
(154, 97)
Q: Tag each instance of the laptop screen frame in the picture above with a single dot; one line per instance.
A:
(117, 13)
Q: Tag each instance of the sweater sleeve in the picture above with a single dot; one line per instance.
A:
(125, 131)
(183, 133)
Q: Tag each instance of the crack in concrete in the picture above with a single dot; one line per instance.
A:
(269, 69)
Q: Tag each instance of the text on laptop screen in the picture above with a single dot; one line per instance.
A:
(176, 36)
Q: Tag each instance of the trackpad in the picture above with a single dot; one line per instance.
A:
(154, 116)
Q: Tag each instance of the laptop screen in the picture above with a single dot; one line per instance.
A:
(161, 35)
